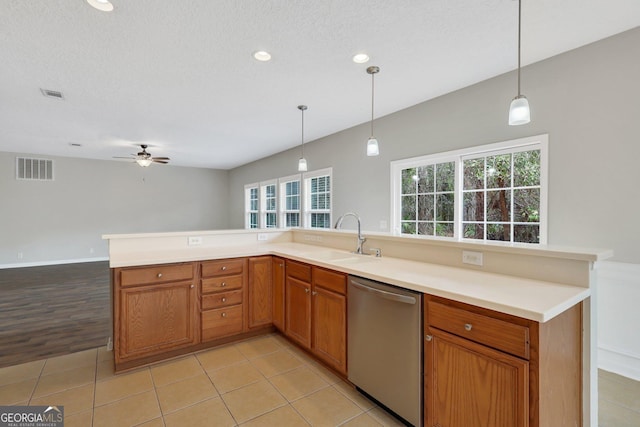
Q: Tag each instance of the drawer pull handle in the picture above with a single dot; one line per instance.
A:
(468, 326)
(224, 314)
(191, 286)
(314, 293)
(224, 267)
(306, 290)
(223, 284)
(428, 338)
(159, 275)
(224, 300)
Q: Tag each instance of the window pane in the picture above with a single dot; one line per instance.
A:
(473, 171)
(408, 208)
(320, 220)
(473, 231)
(426, 180)
(526, 233)
(526, 168)
(499, 206)
(444, 229)
(473, 209)
(526, 205)
(445, 176)
(293, 219)
(409, 178)
(444, 207)
(425, 207)
(499, 171)
(271, 220)
(271, 204)
(408, 227)
(254, 205)
(253, 220)
(499, 232)
(425, 228)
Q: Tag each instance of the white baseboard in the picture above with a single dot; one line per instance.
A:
(615, 361)
(60, 261)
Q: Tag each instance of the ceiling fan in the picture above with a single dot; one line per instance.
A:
(144, 159)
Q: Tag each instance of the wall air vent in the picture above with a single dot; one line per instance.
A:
(52, 94)
(34, 169)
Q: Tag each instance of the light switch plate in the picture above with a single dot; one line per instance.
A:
(471, 257)
(262, 236)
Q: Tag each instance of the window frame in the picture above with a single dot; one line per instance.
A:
(282, 182)
(307, 177)
(263, 203)
(540, 142)
(247, 206)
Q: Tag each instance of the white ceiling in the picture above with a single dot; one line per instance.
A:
(179, 75)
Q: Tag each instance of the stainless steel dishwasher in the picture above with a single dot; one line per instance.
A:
(385, 345)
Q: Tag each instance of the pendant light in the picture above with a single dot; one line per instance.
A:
(372, 143)
(519, 113)
(302, 163)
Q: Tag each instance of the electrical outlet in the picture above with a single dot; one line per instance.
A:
(473, 258)
(195, 240)
(262, 236)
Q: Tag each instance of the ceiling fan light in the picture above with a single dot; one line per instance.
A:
(143, 162)
(372, 147)
(102, 5)
(302, 165)
(519, 112)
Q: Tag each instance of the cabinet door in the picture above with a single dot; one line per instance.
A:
(156, 318)
(468, 384)
(277, 271)
(260, 291)
(298, 311)
(330, 327)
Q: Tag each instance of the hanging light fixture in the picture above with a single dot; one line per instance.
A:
(302, 163)
(372, 143)
(519, 113)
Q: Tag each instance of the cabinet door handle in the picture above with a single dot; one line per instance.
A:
(224, 314)
(314, 293)
(159, 275)
(306, 290)
(468, 326)
(224, 300)
(223, 284)
(281, 265)
(428, 338)
(224, 267)
(191, 286)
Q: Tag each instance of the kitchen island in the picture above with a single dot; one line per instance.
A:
(546, 292)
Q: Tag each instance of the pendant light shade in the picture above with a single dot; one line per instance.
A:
(302, 163)
(519, 112)
(372, 143)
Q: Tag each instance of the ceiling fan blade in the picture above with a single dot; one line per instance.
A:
(163, 162)
(161, 158)
(128, 158)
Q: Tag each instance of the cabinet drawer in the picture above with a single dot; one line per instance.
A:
(156, 274)
(221, 322)
(221, 299)
(223, 283)
(331, 280)
(222, 267)
(496, 333)
(299, 271)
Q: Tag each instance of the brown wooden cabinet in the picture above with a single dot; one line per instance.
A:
(260, 291)
(298, 303)
(487, 368)
(155, 310)
(222, 297)
(278, 283)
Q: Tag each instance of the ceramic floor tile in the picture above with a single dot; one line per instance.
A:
(258, 347)
(70, 361)
(156, 422)
(384, 418)
(235, 376)
(105, 370)
(175, 370)
(127, 412)
(357, 398)
(298, 383)
(276, 363)
(219, 358)
(81, 419)
(104, 354)
(325, 373)
(362, 420)
(63, 380)
(326, 407)
(79, 399)
(613, 415)
(123, 385)
(18, 373)
(253, 400)
(210, 413)
(623, 391)
(284, 416)
(185, 393)
(11, 394)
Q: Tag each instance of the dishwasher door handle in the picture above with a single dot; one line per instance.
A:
(384, 294)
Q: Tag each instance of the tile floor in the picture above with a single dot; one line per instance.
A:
(618, 401)
(260, 382)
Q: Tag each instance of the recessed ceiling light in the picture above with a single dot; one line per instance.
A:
(103, 5)
(262, 55)
(360, 58)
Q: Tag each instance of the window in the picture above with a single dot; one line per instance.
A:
(290, 189)
(269, 210)
(251, 205)
(318, 190)
(495, 192)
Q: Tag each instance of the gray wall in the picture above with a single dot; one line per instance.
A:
(586, 100)
(65, 219)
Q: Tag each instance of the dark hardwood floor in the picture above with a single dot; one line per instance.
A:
(53, 310)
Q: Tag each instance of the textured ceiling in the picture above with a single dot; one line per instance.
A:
(179, 75)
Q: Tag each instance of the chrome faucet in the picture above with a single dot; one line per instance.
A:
(361, 239)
